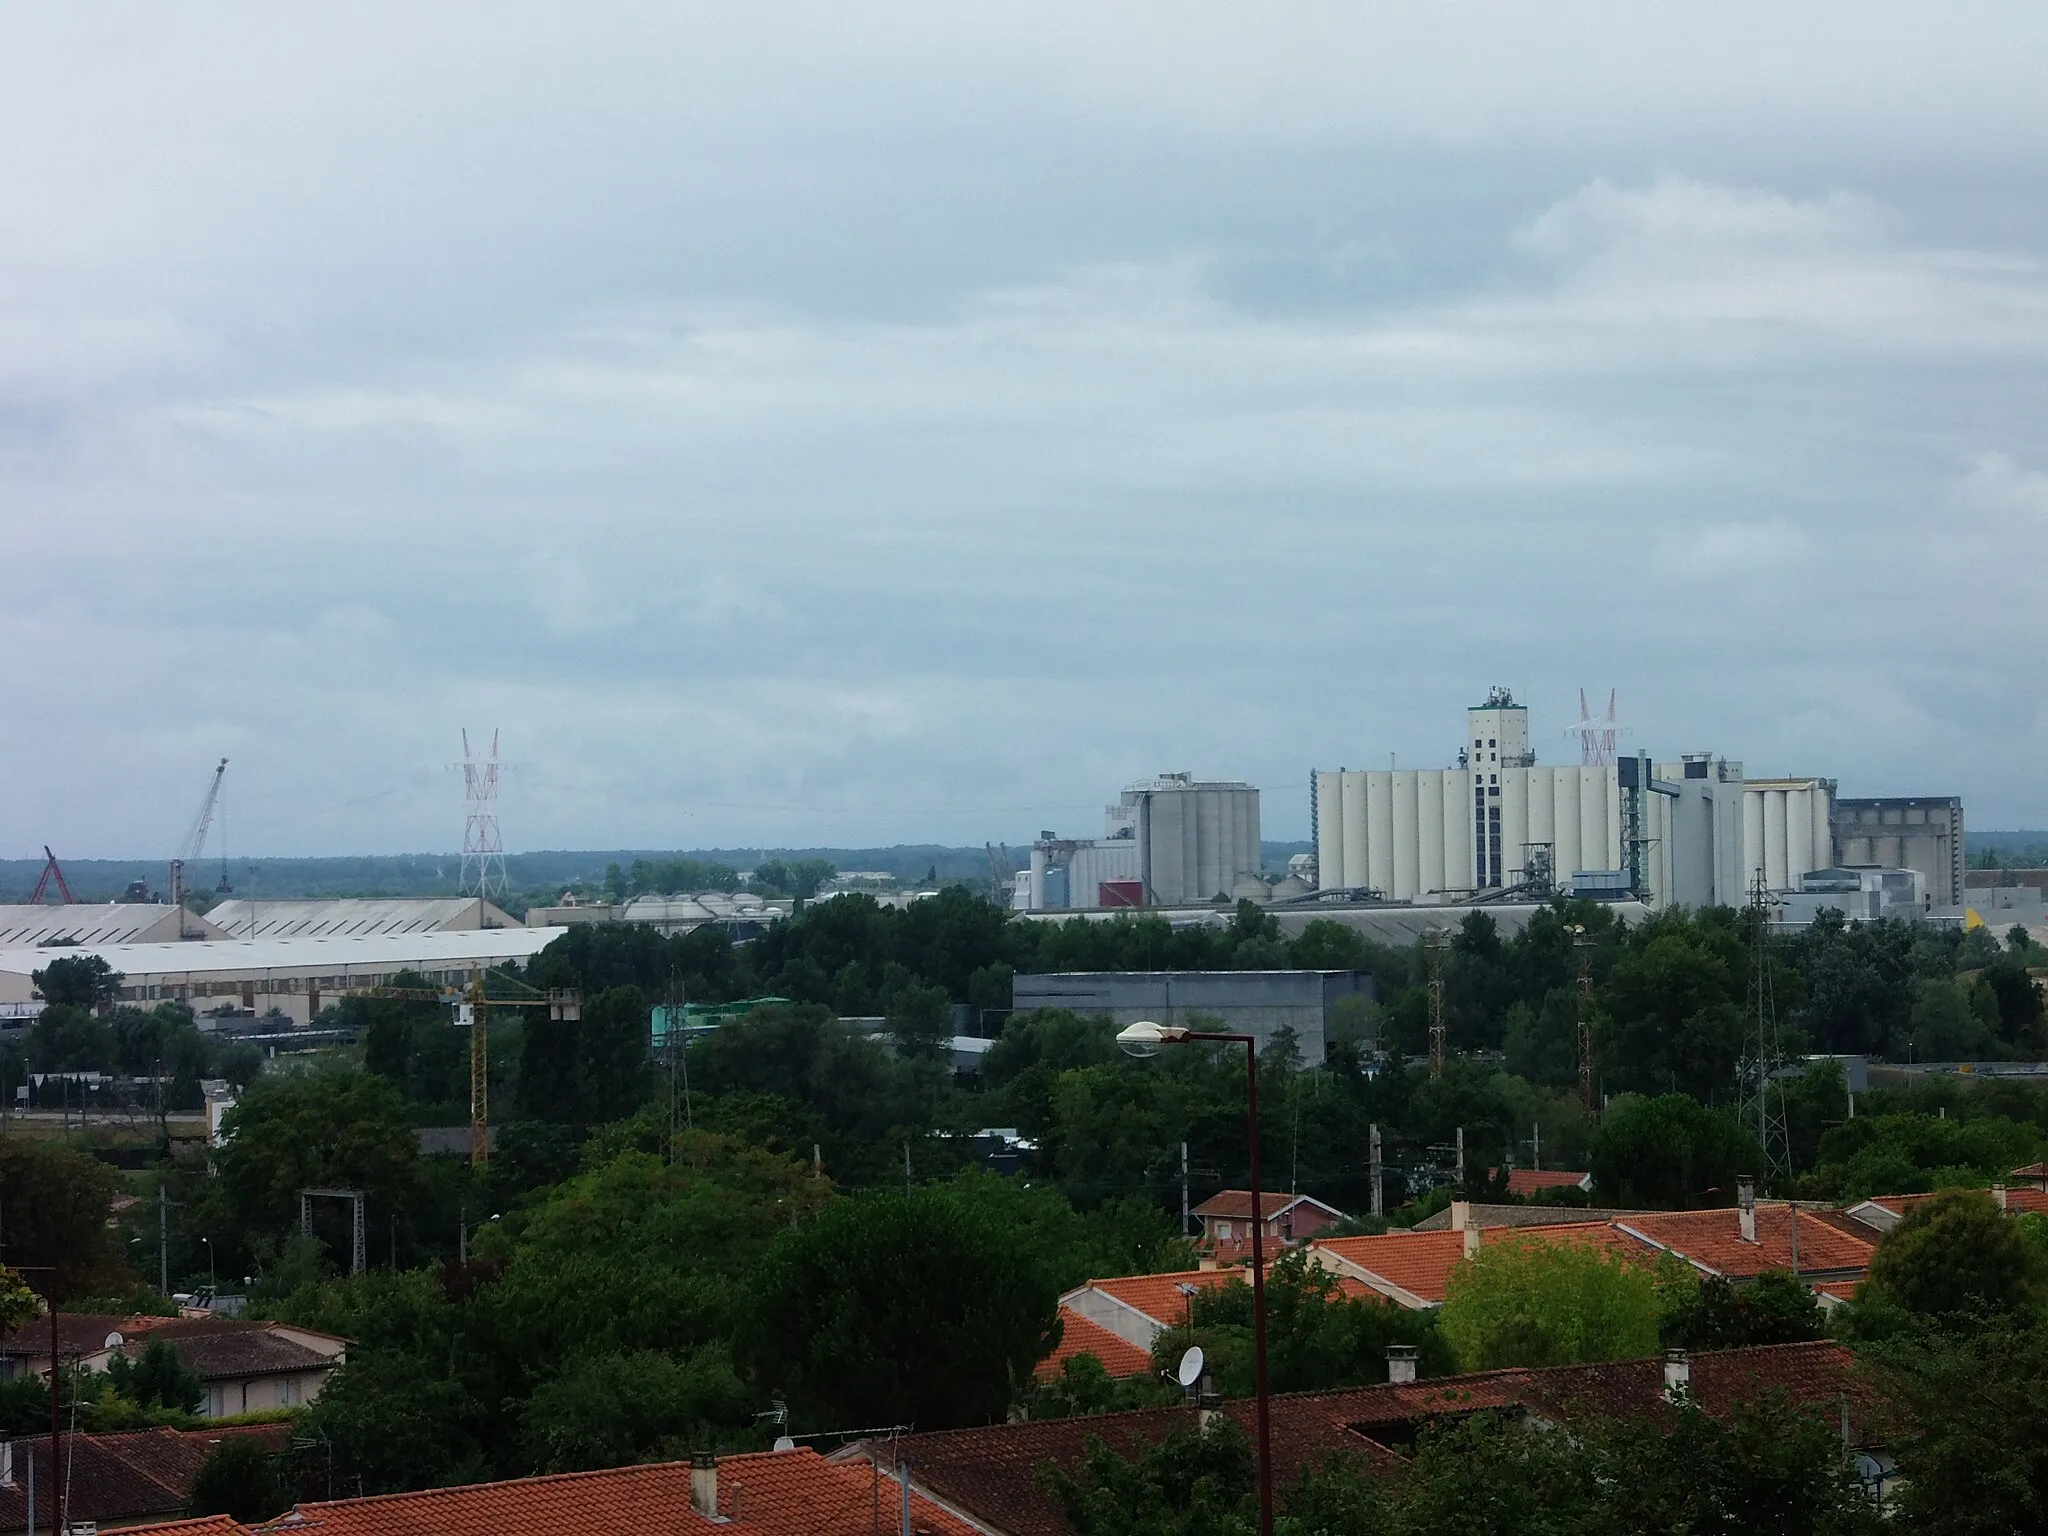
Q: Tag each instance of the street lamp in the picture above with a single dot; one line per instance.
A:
(211, 1282)
(1145, 1039)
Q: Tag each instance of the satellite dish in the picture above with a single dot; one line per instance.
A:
(784, 1443)
(1189, 1371)
(113, 1341)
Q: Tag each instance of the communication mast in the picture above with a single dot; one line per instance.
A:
(1433, 943)
(1764, 1113)
(1582, 943)
(483, 850)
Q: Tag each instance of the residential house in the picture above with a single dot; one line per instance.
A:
(992, 1476)
(1287, 1219)
(245, 1365)
(1413, 1268)
(1535, 1181)
(1881, 1213)
(768, 1493)
(116, 1479)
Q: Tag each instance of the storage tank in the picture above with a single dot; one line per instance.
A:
(1196, 838)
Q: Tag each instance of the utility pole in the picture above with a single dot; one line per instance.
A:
(1185, 1228)
(1461, 1157)
(163, 1239)
(1378, 1197)
(1536, 1145)
(906, 1168)
(1433, 942)
(479, 1073)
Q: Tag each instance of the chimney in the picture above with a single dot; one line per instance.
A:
(704, 1484)
(1461, 1215)
(1677, 1375)
(1998, 1194)
(1472, 1241)
(1745, 1207)
(6, 1463)
(1401, 1364)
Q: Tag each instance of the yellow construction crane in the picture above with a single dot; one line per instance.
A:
(472, 1007)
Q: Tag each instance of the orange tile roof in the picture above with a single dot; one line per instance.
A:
(1119, 1357)
(208, 1525)
(1238, 1203)
(1714, 1239)
(1530, 1181)
(1158, 1297)
(1420, 1263)
(772, 1493)
(2015, 1200)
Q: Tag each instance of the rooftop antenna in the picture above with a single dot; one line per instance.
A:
(483, 850)
(1597, 736)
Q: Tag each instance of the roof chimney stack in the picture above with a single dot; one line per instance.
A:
(1401, 1364)
(704, 1484)
(1745, 1207)
(1461, 1215)
(1472, 1241)
(7, 1460)
(1677, 1375)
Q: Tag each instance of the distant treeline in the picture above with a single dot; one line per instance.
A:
(533, 877)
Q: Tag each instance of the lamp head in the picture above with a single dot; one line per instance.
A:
(1144, 1038)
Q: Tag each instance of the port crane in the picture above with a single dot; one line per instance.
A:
(194, 845)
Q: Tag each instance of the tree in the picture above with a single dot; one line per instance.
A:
(77, 981)
(1956, 1255)
(1974, 1411)
(1945, 1024)
(1317, 1338)
(1776, 1308)
(158, 1379)
(388, 1422)
(899, 1309)
(240, 1480)
(1524, 1301)
(1193, 1483)
(1670, 1153)
(56, 1201)
(333, 1126)
(610, 1410)
(1672, 1007)
(580, 1072)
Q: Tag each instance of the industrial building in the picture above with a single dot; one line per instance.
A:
(113, 922)
(742, 914)
(1256, 1003)
(1691, 832)
(1173, 840)
(295, 975)
(350, 917)
(1923, 833)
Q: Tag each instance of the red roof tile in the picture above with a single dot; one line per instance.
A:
(1530, 1181)
(117, 1478)
(207, 1525)
(1420, 1263)
(1159, 1297)
(776, 1493)
(1238, 1203)
(2016, 1200)
(1714, 1239)
(1119, 1356)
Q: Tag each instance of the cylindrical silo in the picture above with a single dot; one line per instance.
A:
(1457, 829)
(1379, 817)
(1823, 855)
(1752, 834)
(1329, 831)
(1514, 823)
(1774, 839)
(1798, 834)
(1564, 821)
(1407, 837)
(1355, 829)
(1595, 840)
(1429, 813)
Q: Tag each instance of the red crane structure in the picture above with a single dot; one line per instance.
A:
(52, 870)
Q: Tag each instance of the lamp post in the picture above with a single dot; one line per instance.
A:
(1145, 1039)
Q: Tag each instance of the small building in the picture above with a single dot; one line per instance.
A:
(115, 1480)
(246, 1366)
(1288, 1219)
(1256, 1003)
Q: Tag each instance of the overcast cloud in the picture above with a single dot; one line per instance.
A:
(848, 424)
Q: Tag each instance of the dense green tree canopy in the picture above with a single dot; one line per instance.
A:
(1557, 1303)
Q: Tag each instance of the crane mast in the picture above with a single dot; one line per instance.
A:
(195, 844)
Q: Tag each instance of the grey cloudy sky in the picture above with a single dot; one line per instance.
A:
(827, 423)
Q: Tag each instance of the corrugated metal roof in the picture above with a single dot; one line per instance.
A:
(354, 916)
(114, 922)
(331, 956)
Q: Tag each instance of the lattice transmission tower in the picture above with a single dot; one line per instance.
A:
(1763, 1111)
(483, 850)
(1433, 945)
